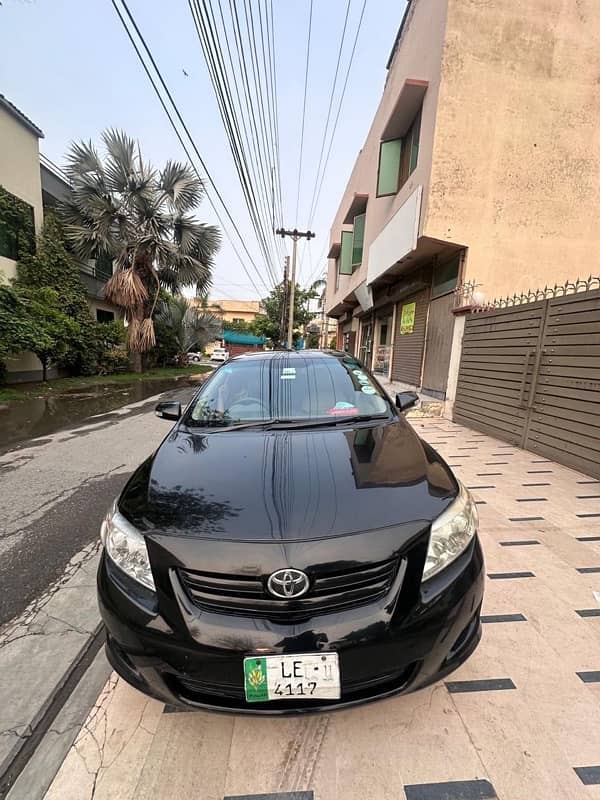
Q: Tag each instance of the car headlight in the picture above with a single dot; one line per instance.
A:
(451, 533)
(126, 547)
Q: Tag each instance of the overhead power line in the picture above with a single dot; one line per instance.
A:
(331, 96)
(339, 109)
(273, 76)
(319, 180)
(190, 139)
(246, 127)
(304, 110)
(213, 55)
(253, 103)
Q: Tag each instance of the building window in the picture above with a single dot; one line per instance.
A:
(445, 277)
(105, 316)
(17, 232)
(410, 150)
(346, 253)
(358, 237)
(398, 159)
(337, 274)
(237, 319)
(103, 267)
(389, 167)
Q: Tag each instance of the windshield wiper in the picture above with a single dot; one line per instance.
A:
(240, 426)
(325, 423)
(291, 424)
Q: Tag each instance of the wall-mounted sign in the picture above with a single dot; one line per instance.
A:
(407, 318)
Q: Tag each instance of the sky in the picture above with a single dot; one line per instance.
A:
(69, 66)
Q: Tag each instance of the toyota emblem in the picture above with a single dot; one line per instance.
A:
(288, 584)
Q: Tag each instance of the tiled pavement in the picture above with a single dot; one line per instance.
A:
(519, 721)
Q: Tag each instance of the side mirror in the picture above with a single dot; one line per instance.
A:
(170, 409)
(406, 400)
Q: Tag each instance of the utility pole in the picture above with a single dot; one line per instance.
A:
(286, 291)
(294, 235)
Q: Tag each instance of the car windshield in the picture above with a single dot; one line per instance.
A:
(289, 388)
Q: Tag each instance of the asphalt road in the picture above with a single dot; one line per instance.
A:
(55, 491)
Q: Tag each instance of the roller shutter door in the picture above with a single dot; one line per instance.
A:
(407, 358)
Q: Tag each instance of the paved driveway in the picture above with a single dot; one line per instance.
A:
(519, 721)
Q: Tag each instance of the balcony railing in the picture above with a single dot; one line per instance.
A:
(100, 268)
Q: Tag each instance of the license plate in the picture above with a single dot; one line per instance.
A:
(314, 676)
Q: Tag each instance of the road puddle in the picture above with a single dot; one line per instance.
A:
(41, 416)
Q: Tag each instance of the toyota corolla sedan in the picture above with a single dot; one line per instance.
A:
(291, 546)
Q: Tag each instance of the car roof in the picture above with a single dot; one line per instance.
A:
(269, 355)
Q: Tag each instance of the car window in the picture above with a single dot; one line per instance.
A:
(290, 388)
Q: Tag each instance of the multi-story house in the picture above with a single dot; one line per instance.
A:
(480, 167)
(20, 180)
(35, 185)
(235, 310)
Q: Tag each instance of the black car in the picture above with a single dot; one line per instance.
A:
(291, 546)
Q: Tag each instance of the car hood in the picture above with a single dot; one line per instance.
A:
(288, 485)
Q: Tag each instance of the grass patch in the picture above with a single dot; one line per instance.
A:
(30, 390)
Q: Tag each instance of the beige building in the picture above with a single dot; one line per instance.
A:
(481, 166)
(19, 173)
(235, 310)
(36, 185)
(20, 177)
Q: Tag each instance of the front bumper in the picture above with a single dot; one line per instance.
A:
(377, 659)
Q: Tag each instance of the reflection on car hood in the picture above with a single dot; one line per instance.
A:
(264, 486)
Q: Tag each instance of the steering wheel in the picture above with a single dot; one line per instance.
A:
(249, 401)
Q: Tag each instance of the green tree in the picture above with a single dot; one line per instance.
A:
(312, 340)
(142, 220)
(241, 326)
(50, 330)
(110, 340)
(14, 326)
(269, 323)
(191, 327)
(53, 267)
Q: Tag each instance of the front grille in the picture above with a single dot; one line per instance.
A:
(247, 595)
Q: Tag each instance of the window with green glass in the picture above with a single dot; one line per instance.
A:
(389, 167)
(410, 150)
(358, 237)
(346, 253)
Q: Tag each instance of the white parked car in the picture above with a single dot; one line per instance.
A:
(194, 358)
(219, 354)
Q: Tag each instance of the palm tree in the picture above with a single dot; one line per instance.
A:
(122, 209)
(192, 327)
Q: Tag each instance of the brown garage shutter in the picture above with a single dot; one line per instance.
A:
(408, 347)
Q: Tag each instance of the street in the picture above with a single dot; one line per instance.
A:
(57, 489)
(518, 720)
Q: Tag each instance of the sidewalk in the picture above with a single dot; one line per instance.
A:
(428, 406)
(518, 721)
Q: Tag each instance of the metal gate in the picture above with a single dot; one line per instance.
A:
(530, 375)
(438, 344)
